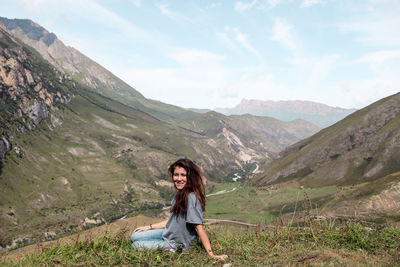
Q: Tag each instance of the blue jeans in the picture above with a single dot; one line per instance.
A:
(150, 239)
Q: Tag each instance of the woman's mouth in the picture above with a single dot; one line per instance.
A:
(179, 184)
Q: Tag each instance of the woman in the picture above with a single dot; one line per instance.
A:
(185, 223)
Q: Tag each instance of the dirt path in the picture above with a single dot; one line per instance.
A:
(256, 169)
(221, 192)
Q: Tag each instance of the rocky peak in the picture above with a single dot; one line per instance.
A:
(67, 59)
(28, 27)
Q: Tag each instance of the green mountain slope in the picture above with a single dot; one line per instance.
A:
(362, 151)
(360, 148)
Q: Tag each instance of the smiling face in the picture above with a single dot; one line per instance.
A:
(179, 177)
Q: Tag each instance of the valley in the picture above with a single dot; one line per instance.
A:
(79, 148)
(73, 157)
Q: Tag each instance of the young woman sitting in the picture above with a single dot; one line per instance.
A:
(185, 223)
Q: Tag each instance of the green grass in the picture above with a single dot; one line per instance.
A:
(260, 206)
(327, 245)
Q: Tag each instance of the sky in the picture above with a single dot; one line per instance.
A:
(208, 54)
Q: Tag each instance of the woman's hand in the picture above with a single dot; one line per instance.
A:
(159, 225)
(142, 228)
(219, 257)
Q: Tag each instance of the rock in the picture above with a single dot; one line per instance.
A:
(16, 242)
(38, 87)
(50, 235)
(38, 112)
(29, 77)
(5, 147)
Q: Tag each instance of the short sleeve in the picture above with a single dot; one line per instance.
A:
(194, 214)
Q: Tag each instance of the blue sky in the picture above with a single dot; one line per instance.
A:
(208, 54)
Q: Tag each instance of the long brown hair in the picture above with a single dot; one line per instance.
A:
(195, 183)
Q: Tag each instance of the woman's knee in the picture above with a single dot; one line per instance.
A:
(138, 236)
(148, 235)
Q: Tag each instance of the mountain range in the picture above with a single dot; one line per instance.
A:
(317, 113)
(78, 146)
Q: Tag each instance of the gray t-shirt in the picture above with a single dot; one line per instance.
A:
(180, 229)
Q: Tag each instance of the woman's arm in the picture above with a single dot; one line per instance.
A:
(159, 225)
(206, 242)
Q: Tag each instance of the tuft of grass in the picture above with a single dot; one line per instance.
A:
(348, 244)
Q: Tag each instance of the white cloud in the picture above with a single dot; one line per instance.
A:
(193, 86)
(31, 4)
(273, 3)
(379, 57)
(315, 69)
(137, 3)
(362, 93)
(321, 68)
(282, 32)
(213, 5)
(372, 31)
(308, 3)
(195, 57)
(260, 86)
(111, 22)
(107, 18)
(242, 39)
(164, 8)
(167, 11)
(227, 40)
(205, 86)
(241, 6)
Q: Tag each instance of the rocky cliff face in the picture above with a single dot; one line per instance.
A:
(317, 113)
(363, 147)
(26, 93)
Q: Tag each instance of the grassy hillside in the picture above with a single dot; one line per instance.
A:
(346, 245)
(375, 202)
(274, 240)
(262, 206)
